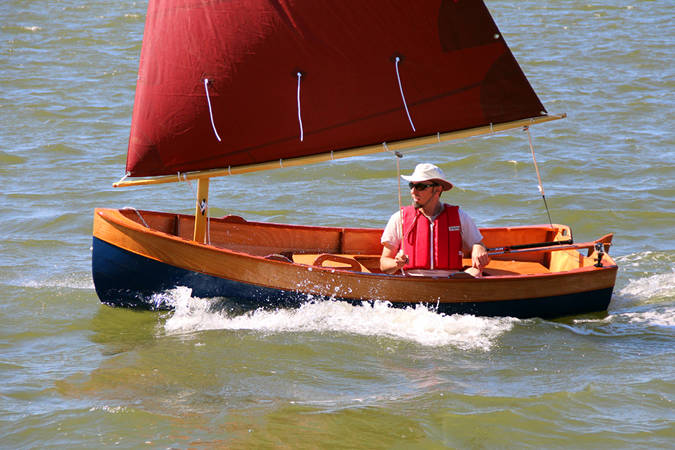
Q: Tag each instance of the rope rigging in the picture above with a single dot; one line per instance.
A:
(536, 167)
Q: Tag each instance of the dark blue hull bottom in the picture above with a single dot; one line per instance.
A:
(123, 278)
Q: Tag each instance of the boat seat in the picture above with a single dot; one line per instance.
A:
(278, 257)
(498, 267)
(345, 262)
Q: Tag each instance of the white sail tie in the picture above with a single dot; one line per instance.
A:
(400, 87)
(208, 100)
(302, 133)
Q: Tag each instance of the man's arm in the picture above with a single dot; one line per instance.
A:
(392, 260)
(472, 240)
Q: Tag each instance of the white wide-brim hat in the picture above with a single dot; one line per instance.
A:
(428, 172)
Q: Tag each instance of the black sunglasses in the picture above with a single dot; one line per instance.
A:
(420, 186)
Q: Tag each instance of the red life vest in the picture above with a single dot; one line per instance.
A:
(447, 239)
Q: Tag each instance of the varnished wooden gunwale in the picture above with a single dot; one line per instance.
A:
(118, 229)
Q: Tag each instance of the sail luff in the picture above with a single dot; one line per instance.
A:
(341, 154)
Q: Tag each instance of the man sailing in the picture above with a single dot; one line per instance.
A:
(429, 237)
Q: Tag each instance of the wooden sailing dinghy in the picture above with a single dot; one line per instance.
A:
(237, 86)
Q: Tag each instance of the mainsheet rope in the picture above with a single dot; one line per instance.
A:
(536, 167)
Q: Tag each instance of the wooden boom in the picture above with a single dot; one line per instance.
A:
(348, 153)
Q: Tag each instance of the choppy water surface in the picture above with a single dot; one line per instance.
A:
(79, 374)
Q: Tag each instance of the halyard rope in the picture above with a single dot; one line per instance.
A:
(398, 156)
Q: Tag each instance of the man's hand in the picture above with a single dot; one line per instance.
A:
(401, 259)
(479, 256)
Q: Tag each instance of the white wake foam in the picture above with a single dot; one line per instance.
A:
(417, 324)
(664, 317)
(655, 286)
(626, 322)
(644, 302)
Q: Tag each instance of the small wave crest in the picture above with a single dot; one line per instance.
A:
(644, 306)
(76, 280)
(664, 317)
(649, 281)
(419, 324)
(625, 322)
(651, 287)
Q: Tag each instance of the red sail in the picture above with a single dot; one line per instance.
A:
(456, 72)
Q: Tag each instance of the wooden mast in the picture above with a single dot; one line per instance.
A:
(201, 210)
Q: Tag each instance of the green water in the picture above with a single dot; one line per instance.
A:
(77, 374)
